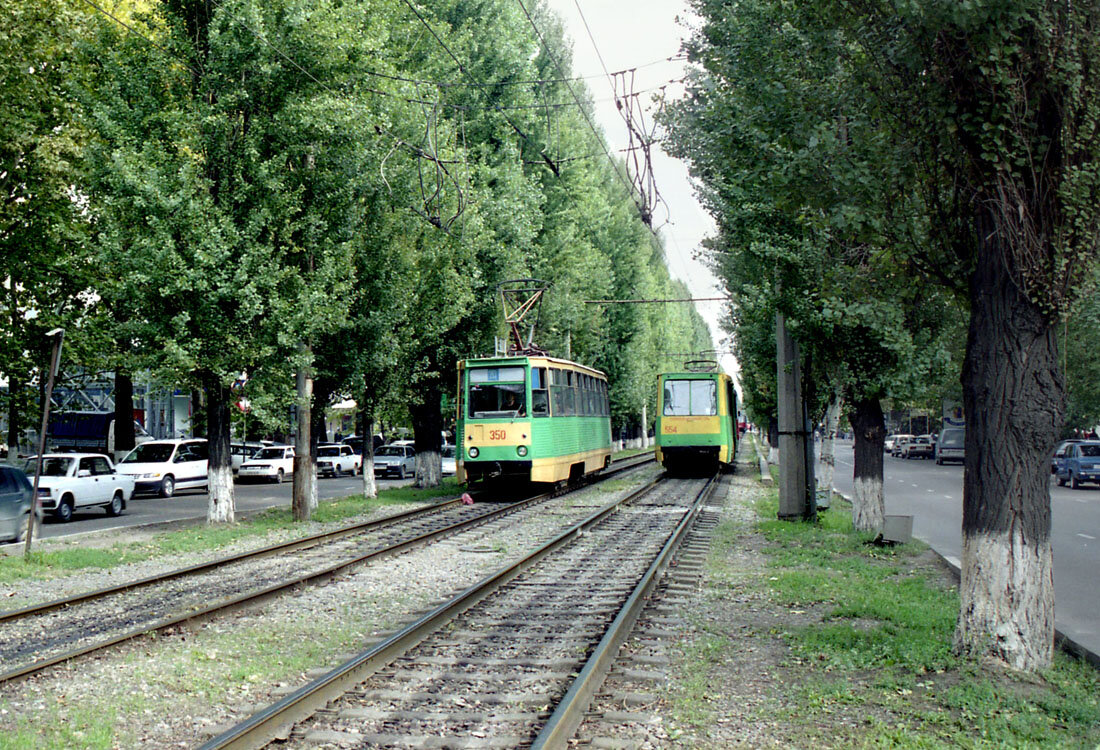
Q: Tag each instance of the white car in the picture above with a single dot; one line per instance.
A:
(337, 460)
(80, 480)
(273, 463)
(447, 452)
(164, 466)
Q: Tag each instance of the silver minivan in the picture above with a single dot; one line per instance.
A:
(951, 446)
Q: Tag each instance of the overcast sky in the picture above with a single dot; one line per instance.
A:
(644, 34)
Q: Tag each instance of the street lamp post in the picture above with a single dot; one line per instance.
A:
(57, 334)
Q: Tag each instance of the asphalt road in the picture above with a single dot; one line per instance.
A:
(933, 496)
(190, 505)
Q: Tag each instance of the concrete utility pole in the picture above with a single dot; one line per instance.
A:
(795, 500)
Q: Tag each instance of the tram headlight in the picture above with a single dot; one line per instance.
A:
(474, 451)
(521, 450)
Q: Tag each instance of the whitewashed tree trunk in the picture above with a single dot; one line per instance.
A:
(429, 469)
(219, 507)
(868, 502)
(1017, 630)
(828, 451)
(370, 486)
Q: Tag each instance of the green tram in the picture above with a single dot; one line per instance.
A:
(696, 421)
(533, 418)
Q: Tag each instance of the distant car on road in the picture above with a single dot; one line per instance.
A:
(398, 460)
(336, 460)
(1081, 464)
(919, 446)
(1059, 457)
(951, 445)
(15, 503)
(80, 480)
(447, 452)
(164, 466)
(899, 444)
(273, 463)
(241, 452)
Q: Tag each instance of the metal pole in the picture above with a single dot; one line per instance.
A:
(57, 334)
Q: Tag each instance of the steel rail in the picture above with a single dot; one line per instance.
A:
(570, 711)
(257, 596)
(288, 546)
(275, 721)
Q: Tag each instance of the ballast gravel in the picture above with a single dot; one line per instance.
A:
(182, 687)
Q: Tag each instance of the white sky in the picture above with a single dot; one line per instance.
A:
(633, 34)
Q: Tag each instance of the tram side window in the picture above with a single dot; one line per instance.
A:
(540, 393)
(557, 391)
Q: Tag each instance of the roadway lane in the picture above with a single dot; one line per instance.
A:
(190, 505)
(933, 496)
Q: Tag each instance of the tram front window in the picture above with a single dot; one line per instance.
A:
(497, 400)
(696, 398)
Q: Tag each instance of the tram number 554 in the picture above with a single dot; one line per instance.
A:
(498, 434)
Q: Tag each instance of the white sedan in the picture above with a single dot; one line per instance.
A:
(80, 480)
(274, 464)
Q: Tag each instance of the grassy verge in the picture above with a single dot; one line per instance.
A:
(864, 658)
(881, 648)
(49, 563)
(631, 452)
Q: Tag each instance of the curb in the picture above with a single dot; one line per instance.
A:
(1061, 640)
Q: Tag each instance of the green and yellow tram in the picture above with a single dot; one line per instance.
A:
(696, 421)
(533, 418)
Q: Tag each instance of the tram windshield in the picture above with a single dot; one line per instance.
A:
(497, 392)
(695, 398)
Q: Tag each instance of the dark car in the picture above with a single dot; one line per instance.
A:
(15, 503)
(1081, 464)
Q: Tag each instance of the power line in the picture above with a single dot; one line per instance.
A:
(629, 186)
(652, 301)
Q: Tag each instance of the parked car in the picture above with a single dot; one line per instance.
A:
(447, 452)
(1059, 457)
(273, 463)
(899, 444)
(164, 466)
(80, 480)
(337, 460)
(951, 445)
(398, 460)
(919, 446)
(888, 444)
(16, 491)
(1081, 464)
(241, 452)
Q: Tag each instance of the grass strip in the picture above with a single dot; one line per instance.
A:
(47, 564)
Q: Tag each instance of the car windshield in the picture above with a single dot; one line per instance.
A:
(150, 453)
(269, 453)
(52, 466)
(952, 439)
(1090, 450)
(390, 450)
(328, 452)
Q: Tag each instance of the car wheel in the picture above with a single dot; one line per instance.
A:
(65, 509)
(1061, 481)
(114, 508)
(168, 486)
(1074, 482)
(939, 462)
(279, 477)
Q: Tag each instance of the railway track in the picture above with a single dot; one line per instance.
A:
(40, 636)
(512, 661)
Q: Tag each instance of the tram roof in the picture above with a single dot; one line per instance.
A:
(536, 360)
(688, 375)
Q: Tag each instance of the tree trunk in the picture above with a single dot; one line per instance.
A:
(14, 387)
(220, 507)
(828, 451)
(124, 415)
(428, 433)
(305, 475)
(869, 426)
(370, 487)
(1014, 397)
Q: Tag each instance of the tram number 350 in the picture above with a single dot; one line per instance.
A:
(498, 434)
